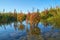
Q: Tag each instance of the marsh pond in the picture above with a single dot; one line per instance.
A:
(17, 31)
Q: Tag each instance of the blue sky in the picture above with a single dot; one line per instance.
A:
(25, 5)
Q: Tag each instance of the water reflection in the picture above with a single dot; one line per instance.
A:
(15, 25)
(35, 31)
(17, 31)
(34, 34)
(18, 26)
(21, 27)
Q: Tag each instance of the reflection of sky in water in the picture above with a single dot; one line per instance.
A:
(9, 33)
(43, 29)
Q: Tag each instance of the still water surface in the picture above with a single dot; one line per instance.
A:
(11, 32)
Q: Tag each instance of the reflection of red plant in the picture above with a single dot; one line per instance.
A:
(21, 27)
(35, 31)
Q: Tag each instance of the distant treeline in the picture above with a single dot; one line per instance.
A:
(48, 16)
(7, 17)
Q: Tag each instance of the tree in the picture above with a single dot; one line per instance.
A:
(55, 21)
(28, 17)
(34, 19)
(21, 17)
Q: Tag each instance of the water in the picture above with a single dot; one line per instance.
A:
(11, 32)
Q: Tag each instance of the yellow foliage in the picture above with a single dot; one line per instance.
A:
(55, 21)
(20, 17)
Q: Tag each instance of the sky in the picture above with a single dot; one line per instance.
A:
(27, 5)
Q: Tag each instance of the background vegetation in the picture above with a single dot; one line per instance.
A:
(47, 17)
